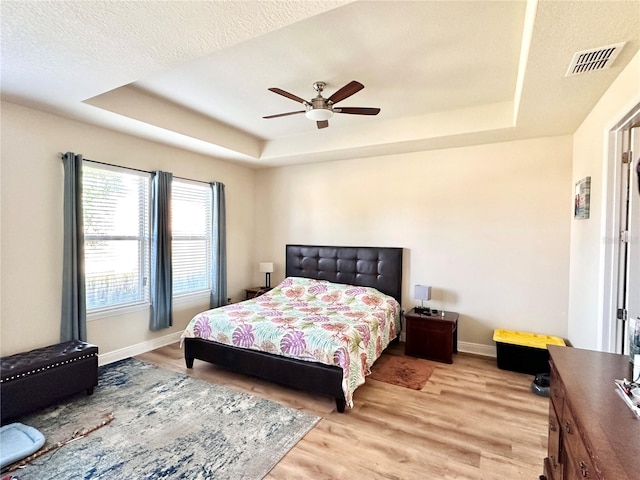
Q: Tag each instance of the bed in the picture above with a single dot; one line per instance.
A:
(344, 272)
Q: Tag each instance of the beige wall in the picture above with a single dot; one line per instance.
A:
(590, 239)
(31, 225)
(487, 226)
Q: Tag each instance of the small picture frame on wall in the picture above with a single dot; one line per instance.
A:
(582, 196)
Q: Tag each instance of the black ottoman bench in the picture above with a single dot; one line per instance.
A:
(36, 379)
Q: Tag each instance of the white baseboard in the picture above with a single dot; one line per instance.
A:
(138, 348)
(477, 349)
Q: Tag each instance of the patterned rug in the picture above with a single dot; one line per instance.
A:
(165, 425)
(406, 372)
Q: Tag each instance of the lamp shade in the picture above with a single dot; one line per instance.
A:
(422, 292)
(266, 267)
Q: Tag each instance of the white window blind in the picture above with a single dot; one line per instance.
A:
(116, 226)
(191, 236)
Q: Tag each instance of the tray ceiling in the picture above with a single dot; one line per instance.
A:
(195, 74)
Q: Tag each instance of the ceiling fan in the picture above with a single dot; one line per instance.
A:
(321, 109)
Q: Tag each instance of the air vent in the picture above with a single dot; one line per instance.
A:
(594, 59)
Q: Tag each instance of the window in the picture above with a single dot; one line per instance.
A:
(191, 236)
(117, 204)
(116, 226)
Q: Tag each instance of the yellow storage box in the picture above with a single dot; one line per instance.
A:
(524, 352)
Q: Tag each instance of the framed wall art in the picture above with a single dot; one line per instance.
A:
(582, 196)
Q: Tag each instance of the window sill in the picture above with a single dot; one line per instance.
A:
(194, 297)
(117, 311)
(186, 298)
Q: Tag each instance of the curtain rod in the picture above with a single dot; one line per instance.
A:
(60, 155)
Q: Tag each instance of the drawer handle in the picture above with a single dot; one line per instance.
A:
(552, 426)
(584, 470)
(567, 427)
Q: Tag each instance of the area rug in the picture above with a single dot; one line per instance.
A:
(403, 371)
(165, 425)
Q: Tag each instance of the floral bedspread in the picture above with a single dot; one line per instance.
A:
(312, 320)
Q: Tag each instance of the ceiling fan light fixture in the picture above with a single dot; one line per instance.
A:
(319, 114)
(320, 109)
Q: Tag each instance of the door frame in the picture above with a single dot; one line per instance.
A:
(609, 327)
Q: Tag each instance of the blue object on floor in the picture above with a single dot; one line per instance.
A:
(18, 441)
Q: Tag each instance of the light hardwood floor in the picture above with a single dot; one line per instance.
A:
(470, 421)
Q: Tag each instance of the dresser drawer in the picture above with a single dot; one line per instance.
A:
(548, 471)
(554, 467)
(578, 464)
(556, 391)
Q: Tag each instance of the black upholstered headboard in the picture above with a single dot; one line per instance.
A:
(378, 267)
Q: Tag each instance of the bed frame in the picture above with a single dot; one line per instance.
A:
(379, 267)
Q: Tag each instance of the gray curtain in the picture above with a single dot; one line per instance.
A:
(73, 325)
(219, 236)
(161, 274)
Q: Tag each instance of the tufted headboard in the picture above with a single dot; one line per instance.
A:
(378, 267)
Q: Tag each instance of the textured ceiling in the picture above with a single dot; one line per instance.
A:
(196, 74)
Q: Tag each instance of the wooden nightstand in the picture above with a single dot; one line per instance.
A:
(254, 292)
(432, 336)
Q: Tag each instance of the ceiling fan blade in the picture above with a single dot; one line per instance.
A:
(322, 123)
(284, 114)
(357, 110)
(279, 91)
(346, 91)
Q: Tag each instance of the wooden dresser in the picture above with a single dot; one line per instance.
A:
(592, 433)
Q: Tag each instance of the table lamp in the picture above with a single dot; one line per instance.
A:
(266, 268)
(422, 293)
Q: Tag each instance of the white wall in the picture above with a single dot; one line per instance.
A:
(31, 225)
(590, 238)
(487, 226)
